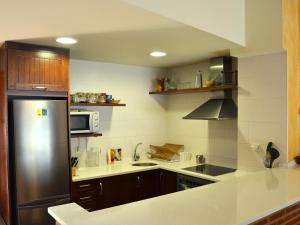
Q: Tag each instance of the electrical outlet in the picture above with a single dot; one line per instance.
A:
(256, 147)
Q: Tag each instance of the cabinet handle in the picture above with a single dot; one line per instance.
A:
(139, 181)
(40, 88)
(160, 176)
(101, 188)
(85, 198)
(84, 185)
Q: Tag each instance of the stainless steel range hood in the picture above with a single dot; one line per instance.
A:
(214, 109)
(221, 108)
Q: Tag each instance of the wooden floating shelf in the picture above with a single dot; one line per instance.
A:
(86, 135)
(97, 104)
(195, 90)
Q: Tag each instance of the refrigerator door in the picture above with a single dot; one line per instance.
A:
(40, 149)
(36, 213)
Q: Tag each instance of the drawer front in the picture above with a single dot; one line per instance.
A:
(87, 196)
(84, 190)
(84, 186)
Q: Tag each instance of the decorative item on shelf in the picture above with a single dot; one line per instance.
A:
(209, 83)
(167, 152)
(108, 99)
(198, 81)
(91, 97)
(80, 97)
(101, 98)
(219, 80)
(166, 83)
(73, 98)
(115, 101)
(172, 84)
(160, 85)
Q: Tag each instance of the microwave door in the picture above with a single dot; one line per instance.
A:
(80, 123)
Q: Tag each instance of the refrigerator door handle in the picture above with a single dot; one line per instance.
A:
(43, 204)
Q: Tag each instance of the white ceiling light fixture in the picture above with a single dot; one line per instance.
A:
(66, 40)
(158, 54)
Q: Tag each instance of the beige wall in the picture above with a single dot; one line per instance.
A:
(152, 119)
(225, 19)
(263, 28)
(262, 107)
(142, 120)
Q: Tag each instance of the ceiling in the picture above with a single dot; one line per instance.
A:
(182, 44)
(108, 31)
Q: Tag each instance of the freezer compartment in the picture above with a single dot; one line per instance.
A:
(36, 213)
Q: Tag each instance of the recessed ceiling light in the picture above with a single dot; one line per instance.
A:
(158, 54)
(66, 40)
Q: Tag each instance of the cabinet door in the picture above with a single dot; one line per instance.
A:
(148, 184)
(118, 190)
(168, 182)
(37, 70)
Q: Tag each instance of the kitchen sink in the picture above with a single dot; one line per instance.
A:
(144, 164)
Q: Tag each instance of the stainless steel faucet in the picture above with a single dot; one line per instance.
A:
(136, 156)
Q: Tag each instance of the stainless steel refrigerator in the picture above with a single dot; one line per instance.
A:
(40, 156)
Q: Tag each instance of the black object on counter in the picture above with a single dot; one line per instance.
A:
(271, 155)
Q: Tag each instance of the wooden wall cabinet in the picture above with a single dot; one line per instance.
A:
(37, 68)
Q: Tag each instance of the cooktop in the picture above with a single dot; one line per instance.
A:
(211, 170)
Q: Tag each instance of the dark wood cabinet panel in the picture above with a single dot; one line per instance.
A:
(148, 184)
(5, 208)
(168, 182)
(37, 69)
(117, 190)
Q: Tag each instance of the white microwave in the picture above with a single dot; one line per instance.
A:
(84, 122)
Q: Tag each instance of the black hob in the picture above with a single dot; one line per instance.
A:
(211, 170)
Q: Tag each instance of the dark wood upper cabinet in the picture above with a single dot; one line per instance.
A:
(37, 68)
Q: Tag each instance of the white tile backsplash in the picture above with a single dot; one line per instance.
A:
(262, 108)
(217, 140)
(142, 120)
(155, 119)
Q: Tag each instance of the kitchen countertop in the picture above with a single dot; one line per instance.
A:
(237, 200)
(125, 167)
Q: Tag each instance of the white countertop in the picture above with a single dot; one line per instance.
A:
(125, 167)
(237, 200)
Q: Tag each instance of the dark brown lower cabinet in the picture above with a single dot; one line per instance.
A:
(148, 184)
(117, 190)
(167, 182)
